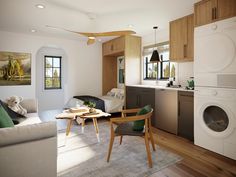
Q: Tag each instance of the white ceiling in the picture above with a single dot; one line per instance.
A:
(22, 15)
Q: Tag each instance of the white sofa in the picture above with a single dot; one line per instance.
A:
(30, 148)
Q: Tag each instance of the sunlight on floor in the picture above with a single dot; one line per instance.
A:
(73, 151)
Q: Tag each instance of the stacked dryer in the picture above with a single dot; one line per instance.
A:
(215, 87)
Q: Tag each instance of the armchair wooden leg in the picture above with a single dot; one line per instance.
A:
(152, 141)
(121, 137)
(110, 147)
(148, 150)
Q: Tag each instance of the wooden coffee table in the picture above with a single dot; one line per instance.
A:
(70, 117)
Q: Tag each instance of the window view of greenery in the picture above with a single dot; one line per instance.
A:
(52, 72)
(162, 70)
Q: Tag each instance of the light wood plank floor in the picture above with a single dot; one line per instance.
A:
(197, 162)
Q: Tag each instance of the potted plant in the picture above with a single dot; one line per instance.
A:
(91, 106)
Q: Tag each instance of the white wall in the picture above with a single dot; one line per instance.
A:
(57, 97)
(183, 70)
(84, 74)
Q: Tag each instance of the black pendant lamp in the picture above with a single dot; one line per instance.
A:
(155, 55)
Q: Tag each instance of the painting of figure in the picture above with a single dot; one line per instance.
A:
(15, 68)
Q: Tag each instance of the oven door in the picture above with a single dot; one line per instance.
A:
(216, 120)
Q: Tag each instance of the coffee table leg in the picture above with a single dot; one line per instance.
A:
(95, 123)
(69, 123)
(83, 125)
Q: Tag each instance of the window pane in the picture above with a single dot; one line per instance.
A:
(56, 62)
(56, 72)
(48, 62)
(152, 70)
(172, 70)
(56, 83)
(48, 82)
(52, 72)
(165, 56)
(166, 70)
(48, 72)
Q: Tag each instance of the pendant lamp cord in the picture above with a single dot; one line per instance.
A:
(156, 37)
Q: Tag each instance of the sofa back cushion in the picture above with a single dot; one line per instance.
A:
(5, 119)
(11, 113)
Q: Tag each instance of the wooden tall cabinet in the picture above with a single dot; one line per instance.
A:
(208, 11)
(181, 39)
(129, 47)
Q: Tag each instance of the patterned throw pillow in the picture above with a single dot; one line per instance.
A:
(112, 94)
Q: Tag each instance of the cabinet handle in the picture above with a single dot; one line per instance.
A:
(137, 100)
(213, 13)
(185, 50)
(178, 108)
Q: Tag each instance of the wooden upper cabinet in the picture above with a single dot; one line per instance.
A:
(208, 11)
(114, 46)
(226, 9)
(181, 39)
(204, 12)
(190, 38)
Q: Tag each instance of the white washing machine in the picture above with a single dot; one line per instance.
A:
(215, 54)
(215, 120)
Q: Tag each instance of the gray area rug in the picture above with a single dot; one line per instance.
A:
(81, 156)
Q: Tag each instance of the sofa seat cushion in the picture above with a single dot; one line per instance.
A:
(32, 118)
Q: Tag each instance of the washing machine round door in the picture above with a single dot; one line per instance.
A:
(216, 120)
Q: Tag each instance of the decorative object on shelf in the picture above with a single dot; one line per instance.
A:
(121, 70)
(91, 106)
(15, 68)
(155, 55)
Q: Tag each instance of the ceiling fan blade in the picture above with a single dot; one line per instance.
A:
(60, 28)
(111, 33)
(90, 41)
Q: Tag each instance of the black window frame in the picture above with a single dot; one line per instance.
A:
(45, 77)
(160, 75)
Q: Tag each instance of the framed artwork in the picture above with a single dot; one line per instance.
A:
(15, 68)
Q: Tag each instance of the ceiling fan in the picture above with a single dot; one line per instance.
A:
(92, 36)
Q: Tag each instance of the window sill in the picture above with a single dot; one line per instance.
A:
(147, 79)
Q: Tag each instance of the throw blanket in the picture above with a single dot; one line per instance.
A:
(99, 103)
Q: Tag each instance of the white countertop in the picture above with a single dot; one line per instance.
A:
(161, 87)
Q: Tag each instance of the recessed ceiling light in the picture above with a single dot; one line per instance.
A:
(33, 30)
(130, 26)
(40, 6)
(91, 37)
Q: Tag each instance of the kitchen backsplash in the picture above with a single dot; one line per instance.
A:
(184, 72)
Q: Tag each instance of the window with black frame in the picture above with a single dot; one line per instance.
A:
(52, 72)
(162, 70)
